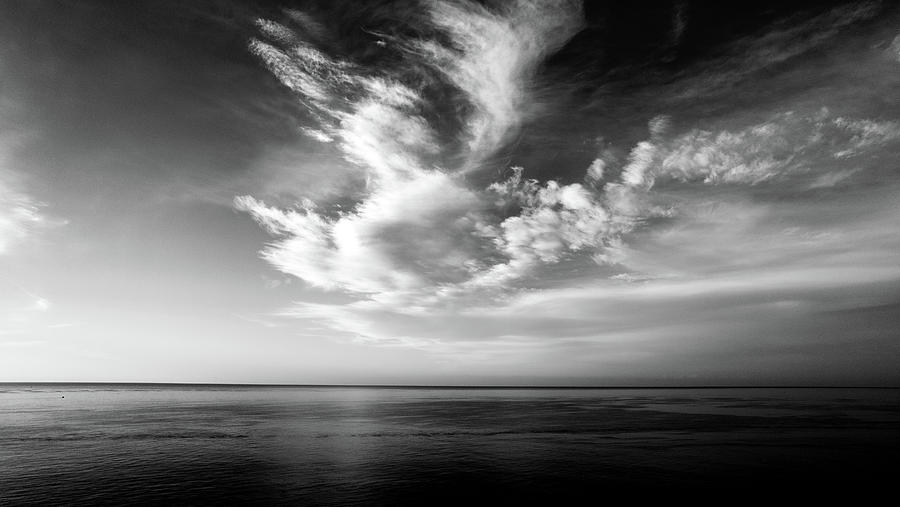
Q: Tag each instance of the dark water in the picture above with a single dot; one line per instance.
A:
(383, 446)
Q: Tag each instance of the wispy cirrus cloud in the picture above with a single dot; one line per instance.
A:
(19, 215)
(21, 311)
(787, 145)
(429, 256)
(19, 212)
(795, 150)
(416, 227)
(788, 39)
(492, 57)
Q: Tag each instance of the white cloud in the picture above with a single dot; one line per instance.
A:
(417, 227)
(786, 40)
(595, 170)
(18, 216)
(493, 56)
(422, 247)
(894, 49)
(554, 220)
(703, 241)
(41, 304)
(427, 237)
(406, 236)
(788, 144)
(834, 178)
(19, 212)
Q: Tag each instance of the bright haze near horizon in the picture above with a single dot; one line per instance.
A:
(424, 192)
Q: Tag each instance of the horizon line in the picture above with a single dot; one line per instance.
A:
(449, 386)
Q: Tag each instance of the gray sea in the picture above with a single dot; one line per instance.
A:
(203, 445)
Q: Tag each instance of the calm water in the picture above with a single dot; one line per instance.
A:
(93, 444)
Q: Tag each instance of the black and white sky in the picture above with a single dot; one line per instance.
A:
(423, 191)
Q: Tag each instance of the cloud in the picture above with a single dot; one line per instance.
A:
(417, 226)
(19, 212)
(492, 58)
(552, 220)
(407, 236)
(702, 238)
(486, 57)
(556, 219)
(428, 257)
(21, 311)
(787, 145)
(893, 50)
(380, 130)
(786, 40)
(649, 328)
(18, 216)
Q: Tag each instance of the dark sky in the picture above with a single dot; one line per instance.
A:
(450, 192)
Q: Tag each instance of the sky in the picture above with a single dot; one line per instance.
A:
(459, 192)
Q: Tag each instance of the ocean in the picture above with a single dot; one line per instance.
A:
(106, 444)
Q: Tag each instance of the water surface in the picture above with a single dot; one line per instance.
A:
(140, 444)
